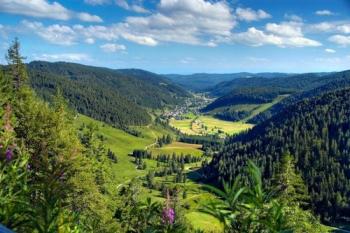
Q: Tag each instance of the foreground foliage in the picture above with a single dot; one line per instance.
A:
(246, 205)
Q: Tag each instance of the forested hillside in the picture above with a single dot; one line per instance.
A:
(256, 95)
(316, 133)
(337, 81)
(113, 96)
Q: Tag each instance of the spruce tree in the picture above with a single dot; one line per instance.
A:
(15, 62)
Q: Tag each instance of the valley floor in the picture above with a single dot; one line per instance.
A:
(123, 144)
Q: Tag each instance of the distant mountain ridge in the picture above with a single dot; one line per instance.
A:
(204, 81)
(290, 83)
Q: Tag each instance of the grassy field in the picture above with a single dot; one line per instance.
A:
(123, 144)
(203, 125)
(185, 126)
(229, 127)
(178, 148)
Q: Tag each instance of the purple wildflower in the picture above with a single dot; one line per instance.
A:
(168, 216)
(9, 154)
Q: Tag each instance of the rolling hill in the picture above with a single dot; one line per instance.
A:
(117, 97)
(337, 81)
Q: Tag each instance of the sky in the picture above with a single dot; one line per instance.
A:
(182, 36)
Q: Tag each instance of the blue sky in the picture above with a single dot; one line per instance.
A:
(183, 36)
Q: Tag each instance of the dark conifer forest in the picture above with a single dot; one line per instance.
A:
(316, 132)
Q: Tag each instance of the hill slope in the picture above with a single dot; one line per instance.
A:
(116, 97)
(337, 81)
(317, 133)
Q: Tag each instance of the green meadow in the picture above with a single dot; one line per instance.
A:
(178, 148)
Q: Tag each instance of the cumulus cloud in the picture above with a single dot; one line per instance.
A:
(194, 22)
(284, 34)
(98, 32)
(44, 9)
(90, 40)
(89, 18)
(136, 7)
(329, 50)
(55, 34)
(112, 48)
(142, 40)
(182, 21)
(340, 40)
(255, 37)
(288, 29)
(324, 12)
(72, 57)
(335, 27)
(248, 14)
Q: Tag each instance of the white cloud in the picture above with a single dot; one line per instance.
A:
(90, 40)
(195, 22)
(255, 37)
(89, 18)
(71, 57)
(288, 29)
(44, 9)
(340, 40)
(336, 27)
(247, 14)
(98, 32)
(143, 40)
(55, 34)
(344, 28)
(131, 7)
(35, 8)
(322, 27)
(329, 50)
(112, 48)
(324, 12)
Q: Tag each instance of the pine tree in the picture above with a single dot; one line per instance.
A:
(15, 61)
